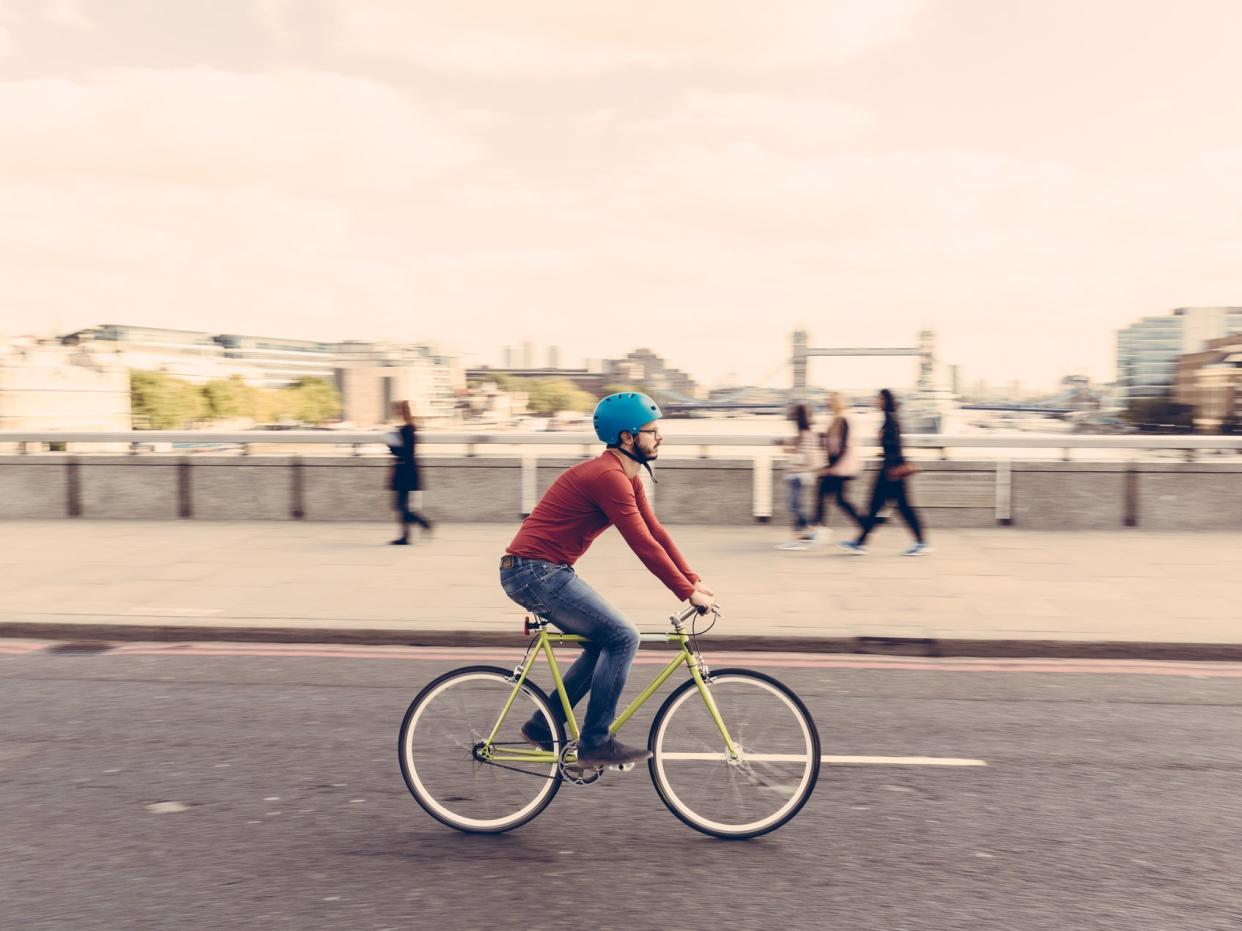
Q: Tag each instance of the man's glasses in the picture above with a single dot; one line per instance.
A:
(655, 433)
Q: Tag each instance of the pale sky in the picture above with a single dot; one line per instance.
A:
(696, 177)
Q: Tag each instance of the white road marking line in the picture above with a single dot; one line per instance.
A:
(837, 760)
(903, 761)
(757, 757)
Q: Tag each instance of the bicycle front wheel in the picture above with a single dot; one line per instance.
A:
(460, 777)
(768, 781)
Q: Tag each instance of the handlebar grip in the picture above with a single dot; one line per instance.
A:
(700, 610)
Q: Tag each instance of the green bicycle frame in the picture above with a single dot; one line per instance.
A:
(544, 642)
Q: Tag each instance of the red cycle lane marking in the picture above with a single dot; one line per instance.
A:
(21, 647)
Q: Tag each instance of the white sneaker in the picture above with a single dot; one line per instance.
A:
(794, 545)
(821, 535)
(919, 549)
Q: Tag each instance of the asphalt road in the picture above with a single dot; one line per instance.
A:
(227, 791)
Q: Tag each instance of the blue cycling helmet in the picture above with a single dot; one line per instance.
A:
(627, 411)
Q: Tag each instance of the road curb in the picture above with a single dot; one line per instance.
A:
(872, 646)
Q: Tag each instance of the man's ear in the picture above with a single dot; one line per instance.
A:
(621, 437)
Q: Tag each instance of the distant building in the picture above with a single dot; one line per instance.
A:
(527, 355)
(281, 361)
(1210, 381)
(370, 376)
(45, 385)
(191, 355)
(196, 356)
(492, 403)
(1148, 349)
(643, 367)
(1077, 393)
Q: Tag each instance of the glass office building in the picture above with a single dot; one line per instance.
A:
(1148, 349)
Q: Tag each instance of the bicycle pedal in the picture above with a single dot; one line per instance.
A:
(621, 767)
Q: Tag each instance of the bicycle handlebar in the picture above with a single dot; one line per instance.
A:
(691, 610)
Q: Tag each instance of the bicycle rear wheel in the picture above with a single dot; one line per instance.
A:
(765, 785)
(450, 771)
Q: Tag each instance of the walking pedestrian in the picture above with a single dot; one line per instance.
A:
(890, 483)
(804, 466)
(844, 464)
(405, 476)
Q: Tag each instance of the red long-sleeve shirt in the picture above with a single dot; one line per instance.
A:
(582, 503)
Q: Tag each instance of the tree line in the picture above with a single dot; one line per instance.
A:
(162, 402)
(549, 395)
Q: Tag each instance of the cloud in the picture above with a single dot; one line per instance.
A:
(309, 131)
(842, 195)
(7, 45)
(699, 205)
(552, 37)
(772, 118)
(283, 202)
(66, 13)
(274, 17)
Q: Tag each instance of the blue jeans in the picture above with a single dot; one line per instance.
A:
(794, 484)
(556, 592)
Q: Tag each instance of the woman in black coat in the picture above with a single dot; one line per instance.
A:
(405, 477)
(890, 483)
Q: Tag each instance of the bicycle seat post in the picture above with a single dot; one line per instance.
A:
(529, 626)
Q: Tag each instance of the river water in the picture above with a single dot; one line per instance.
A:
(864, 425)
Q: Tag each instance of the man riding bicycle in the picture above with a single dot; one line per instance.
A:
(537, 570)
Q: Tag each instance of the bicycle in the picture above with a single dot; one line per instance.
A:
(738, 764)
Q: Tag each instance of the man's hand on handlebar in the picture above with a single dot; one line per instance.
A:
(703, 601)
(701, 586)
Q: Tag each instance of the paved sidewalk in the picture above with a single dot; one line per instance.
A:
(984, 592)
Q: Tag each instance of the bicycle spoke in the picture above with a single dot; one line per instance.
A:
(758, 788)
(444, 762)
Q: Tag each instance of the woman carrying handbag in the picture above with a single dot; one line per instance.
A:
(890, 483)
(844, 464)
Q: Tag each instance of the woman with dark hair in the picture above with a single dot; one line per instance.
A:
(890, 483)
(804, 465)
(405, 477)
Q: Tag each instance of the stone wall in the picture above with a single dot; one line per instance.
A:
(1042, 495)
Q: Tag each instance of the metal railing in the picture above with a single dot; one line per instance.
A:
(184, 440)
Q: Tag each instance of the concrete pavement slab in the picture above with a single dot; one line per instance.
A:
(1016, 592)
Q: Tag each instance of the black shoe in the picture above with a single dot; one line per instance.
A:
(400, 541)
(537, 735)
(611, 753)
